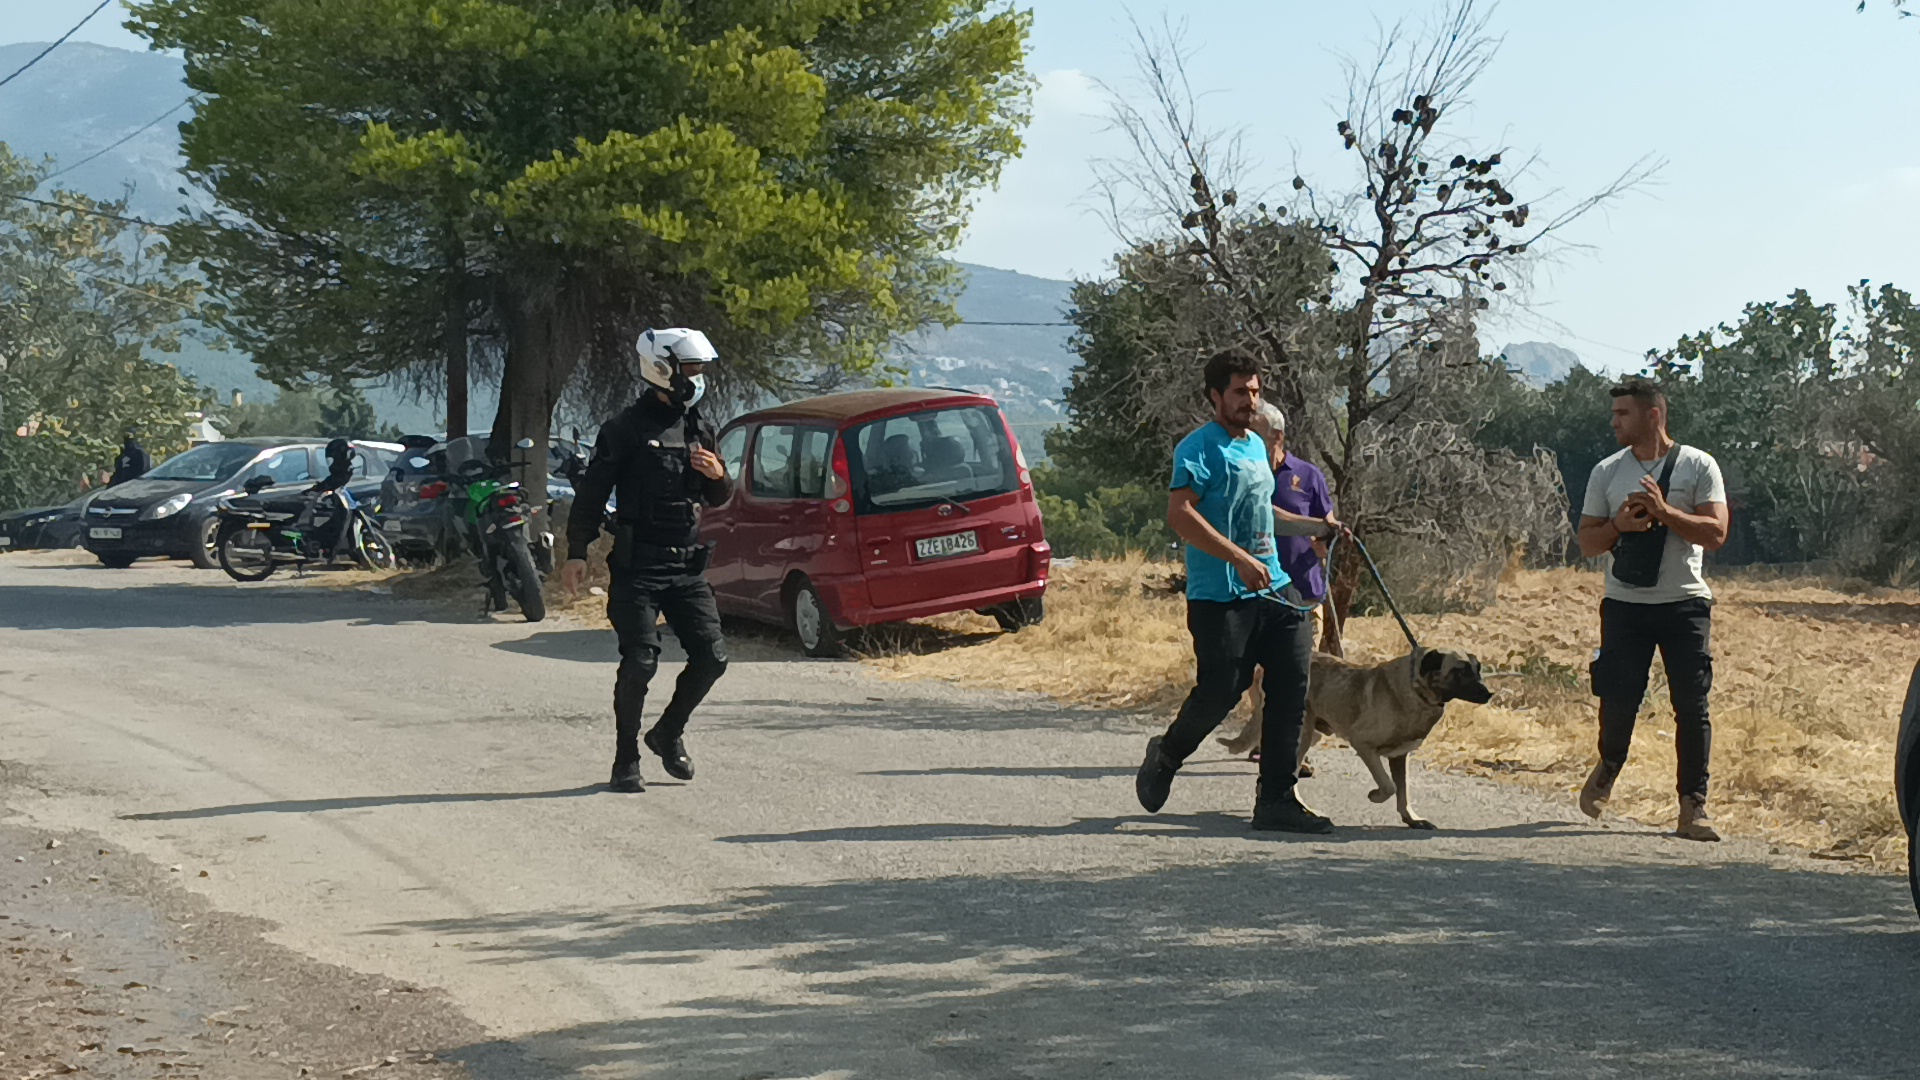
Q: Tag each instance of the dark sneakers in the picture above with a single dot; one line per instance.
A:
(1288, 814)
(626, 778)
(673, 755)
(1155, 780)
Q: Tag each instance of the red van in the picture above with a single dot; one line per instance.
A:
(876, 506)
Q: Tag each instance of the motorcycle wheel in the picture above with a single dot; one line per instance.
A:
(523, 581)
(245, 554)
(373, 551)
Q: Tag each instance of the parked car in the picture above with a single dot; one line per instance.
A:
(170, 511)
(876, 506)
(43, 527)
(1906, 777)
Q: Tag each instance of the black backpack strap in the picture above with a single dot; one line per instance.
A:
(1666, 472)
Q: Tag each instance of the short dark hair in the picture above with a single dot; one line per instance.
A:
(1223, 366)
(1645, 391)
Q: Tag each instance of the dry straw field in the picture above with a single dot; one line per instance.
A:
(1808, 685)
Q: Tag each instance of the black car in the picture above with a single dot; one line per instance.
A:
(170, 511)
(43, 527)
(1906, 777)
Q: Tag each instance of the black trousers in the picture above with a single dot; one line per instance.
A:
(1230, 639)
(1683, 632)
(636, 598)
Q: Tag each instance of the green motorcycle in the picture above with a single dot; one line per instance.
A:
(493, 514)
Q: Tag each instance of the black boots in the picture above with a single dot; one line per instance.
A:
(629, 698)
(1155, 780)
(626, 776)
(673, 754)
(1288, 814)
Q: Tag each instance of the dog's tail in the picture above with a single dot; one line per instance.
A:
(1243, 742)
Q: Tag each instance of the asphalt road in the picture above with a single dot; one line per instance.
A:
(874, 879)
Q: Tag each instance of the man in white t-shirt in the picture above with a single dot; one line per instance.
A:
(1657, 507)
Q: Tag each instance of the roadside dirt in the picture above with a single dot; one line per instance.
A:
(108, 968)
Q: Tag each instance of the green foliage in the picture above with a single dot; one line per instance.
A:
(309, 410)
(1567, 417)
(1087, 520)
(1816, 421)
(83, 297)
(1143, 335)
(563, 173)
(1812, 413)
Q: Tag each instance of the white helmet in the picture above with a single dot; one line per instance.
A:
(661, 354)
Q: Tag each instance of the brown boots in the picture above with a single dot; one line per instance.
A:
(1694, 822)
(1598, 788)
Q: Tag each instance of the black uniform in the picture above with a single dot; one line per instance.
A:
(133, 463)
(339, 471)
(645, 454)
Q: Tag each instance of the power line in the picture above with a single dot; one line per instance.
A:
(123, 140)
(72, 209)
(974, 322)
(55, 45)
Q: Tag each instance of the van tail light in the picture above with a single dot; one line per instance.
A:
(433, 489)
(1019, 456)
(839, 479)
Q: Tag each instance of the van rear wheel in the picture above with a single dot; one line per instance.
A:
(808, 615)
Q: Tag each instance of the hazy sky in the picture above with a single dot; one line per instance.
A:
(1789, 127)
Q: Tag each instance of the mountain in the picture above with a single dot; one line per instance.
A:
(1539, 363)
(82, 99)
(1024, 366)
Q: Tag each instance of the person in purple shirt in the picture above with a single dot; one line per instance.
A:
(1299, 489)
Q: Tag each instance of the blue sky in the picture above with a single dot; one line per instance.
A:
(1791, 131)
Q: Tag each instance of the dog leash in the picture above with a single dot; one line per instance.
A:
(1388, 593)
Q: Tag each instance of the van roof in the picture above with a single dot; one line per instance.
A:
(859, 403)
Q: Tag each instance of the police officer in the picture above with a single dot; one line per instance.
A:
(133, 463)
(659, 456)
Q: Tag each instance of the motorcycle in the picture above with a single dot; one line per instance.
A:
(253, 538)
(492, 514)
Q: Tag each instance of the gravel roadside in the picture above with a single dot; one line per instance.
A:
(112, 969)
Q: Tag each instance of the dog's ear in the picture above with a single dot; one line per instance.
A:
(1430, 662)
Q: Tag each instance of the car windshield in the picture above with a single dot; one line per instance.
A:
(926, 458)
(210, 462)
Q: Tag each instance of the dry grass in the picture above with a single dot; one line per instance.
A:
(1808, 682)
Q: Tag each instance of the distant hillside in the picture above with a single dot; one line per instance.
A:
(83, 98)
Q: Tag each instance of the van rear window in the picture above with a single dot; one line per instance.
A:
(926, 458)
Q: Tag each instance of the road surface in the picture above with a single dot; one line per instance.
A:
(874, 879)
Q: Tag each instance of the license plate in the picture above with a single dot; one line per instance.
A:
(946, 547)
(101, 533)
(6, 541)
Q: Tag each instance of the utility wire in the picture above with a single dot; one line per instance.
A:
(55, 45)
(72, 209)
(123, 140)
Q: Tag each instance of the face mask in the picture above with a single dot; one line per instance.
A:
(688, 390)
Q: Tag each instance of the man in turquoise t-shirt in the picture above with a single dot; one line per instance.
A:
(1220, 502)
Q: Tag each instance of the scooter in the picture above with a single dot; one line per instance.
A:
(255, 538)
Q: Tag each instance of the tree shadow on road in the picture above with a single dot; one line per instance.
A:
(362, 802)
(179, 606)
(1377, 969)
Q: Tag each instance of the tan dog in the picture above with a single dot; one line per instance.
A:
(1384, 711)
